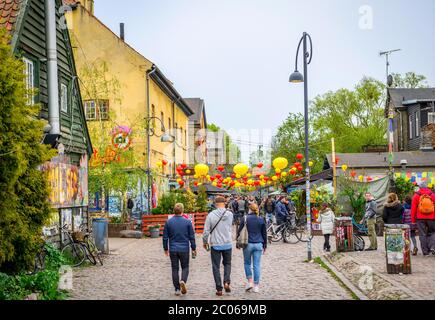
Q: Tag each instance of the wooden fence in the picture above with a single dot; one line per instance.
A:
(161, 220)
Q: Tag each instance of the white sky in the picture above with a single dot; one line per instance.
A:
(238, 54)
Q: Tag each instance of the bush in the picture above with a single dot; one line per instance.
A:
(404, 188)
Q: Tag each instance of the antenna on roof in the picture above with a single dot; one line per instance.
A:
(387, 58)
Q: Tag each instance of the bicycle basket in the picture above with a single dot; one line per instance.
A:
(79, 236)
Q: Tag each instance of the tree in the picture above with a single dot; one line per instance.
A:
(24, 206)
(231, 149)
(409, 80)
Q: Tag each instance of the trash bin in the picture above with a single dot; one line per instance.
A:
(398, 248)
(344, 234)
(100, 228)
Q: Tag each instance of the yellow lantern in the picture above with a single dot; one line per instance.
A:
(238, 176)
(278, 171)
(195, 176)
(159, 164)
(284, 174)
(311, 163)
(188, 172)
(241, 169)
(201, 170)
(275, 178)
(361, 178)
(344, 167)
(280, 163)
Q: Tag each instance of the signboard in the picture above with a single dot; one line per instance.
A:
(395, 244)
(190, 217)
(114, 206)
(68, 183)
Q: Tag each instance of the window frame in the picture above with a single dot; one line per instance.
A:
(98, 109)
(64, 101)
(411, 128)
(86, 106)
(417, 124)
(28, 61)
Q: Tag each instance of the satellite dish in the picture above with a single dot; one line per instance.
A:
(390, 80)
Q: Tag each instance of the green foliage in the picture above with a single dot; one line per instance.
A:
(299, 199)
(44, 283)
(355, 193)
(233, 153)
(202, 200)
(409, 80)
(167, 203)
(24, 193)
(404, 188)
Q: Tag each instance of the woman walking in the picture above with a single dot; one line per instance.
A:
(327, 219)
(257, 244)
(407, 219)
(393, 210)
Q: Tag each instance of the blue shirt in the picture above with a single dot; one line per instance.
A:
(256, 229)
(179, 233)
(223, 247)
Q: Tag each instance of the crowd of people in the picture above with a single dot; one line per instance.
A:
(255, 214)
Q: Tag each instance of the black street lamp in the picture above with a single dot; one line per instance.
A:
(164, 138)
(297, 77)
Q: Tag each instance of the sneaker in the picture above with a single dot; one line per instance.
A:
(227, 288)
(219, 293)
(249, 286)
(177, 293)
(256, 289)
(183, 287)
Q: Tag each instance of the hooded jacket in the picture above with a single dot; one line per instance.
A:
(327, 219)
(281, 211)
(222, 234)
(393, 213)
(415, 213)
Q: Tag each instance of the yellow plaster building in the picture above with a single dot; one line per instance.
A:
(133, 89)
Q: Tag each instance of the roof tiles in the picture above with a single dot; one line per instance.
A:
(9, 11)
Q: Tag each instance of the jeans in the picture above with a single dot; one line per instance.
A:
(252, 256)
(178, 258)
(426, 231)
(269, 217)
(216, 258)
(327, 245)
(371, 226)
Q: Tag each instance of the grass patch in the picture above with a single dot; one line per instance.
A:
(320, 262)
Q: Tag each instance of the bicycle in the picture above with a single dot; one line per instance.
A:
(358, 243)
(73, 251)
(87, 241)
(302, 230)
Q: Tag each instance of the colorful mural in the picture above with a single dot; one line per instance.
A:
(68, 183)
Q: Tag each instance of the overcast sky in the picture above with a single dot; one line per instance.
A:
(238, 54)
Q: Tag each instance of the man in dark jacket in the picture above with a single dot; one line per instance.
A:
(425, 221)
(370, 219)
(179, 233)
(281, 212)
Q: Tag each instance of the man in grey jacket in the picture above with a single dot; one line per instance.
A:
(218, 238)
(370, 218)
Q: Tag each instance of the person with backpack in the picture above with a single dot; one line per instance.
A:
(241, 206)
(218, 240)
(407, 219)
(423, 213)
(327, 223)
(255, 246)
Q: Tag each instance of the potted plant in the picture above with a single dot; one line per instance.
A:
(154, 231)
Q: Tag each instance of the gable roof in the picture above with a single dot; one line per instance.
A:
(380, 160)
(401, 97)
(198, 107)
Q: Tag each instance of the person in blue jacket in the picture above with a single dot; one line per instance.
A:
(177, 236)
(281, 212)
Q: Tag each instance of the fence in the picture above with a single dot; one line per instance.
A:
(151, 220)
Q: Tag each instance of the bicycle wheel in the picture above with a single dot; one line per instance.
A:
(359, 243)
(289, 236)
(275, 235)
(302, 234)
(94, 252)
(75, 254)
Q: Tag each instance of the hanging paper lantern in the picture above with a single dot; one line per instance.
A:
(260, 165)
(275, 178)
(284, 174)
(353, 174)
(188, 172)
(369, 179)
(280, 163)
(183, 166)
(300, 168)
(159, 164)
(277, 171)
(241, 169)
(299, 156)
(201, 170)
(165, 162)
(361, 178)
(221, 168)
(337, 160)
(311, 163)
(344, 167)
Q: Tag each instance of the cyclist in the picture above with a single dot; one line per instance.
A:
(281, 212)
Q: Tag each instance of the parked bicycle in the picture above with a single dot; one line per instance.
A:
(73, 251)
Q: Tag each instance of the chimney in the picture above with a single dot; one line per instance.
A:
(52, 72)
(122, 31)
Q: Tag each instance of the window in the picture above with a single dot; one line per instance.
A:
(64, 98)
(417, 124)
(431, 117)
(411, 128)
(97, 112)
(30, 78)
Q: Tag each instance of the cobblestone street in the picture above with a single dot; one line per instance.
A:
(138, 270)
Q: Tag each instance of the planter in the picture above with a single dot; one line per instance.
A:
(116, 228)
(154, 233)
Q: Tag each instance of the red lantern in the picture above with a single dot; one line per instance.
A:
(183, 166)
(297, 164)
(218, 176)
(195, 183)
(233, 176)
(181, 183)
(337, 160)
(164, 162)
(299, 156)
(260, 165)
(353, 174)
(221, 168)
(300, 168)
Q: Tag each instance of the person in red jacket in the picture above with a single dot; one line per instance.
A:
(425, 221)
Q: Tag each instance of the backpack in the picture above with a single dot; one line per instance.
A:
(243, 239)
(426, 205)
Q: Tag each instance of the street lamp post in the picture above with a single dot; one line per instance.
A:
(165, 137)
(297, 77)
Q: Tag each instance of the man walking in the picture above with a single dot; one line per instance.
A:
(423, 213)
(179, 233)
(218, 238)
(370, 218)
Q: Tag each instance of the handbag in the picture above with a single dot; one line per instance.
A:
(243, 239)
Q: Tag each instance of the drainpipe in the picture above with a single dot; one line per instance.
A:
(149, 73)
(53, 86)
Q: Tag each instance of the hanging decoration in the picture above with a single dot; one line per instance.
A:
(201, 170)
(280, 163)
(121, 137)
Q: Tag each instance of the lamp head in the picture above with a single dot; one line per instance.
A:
(296, 77)
(166, 138)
